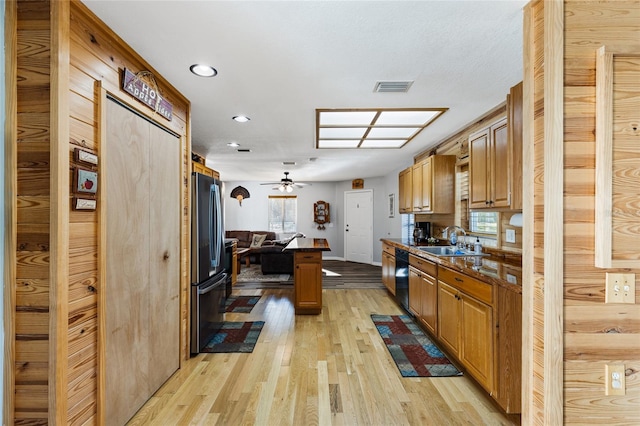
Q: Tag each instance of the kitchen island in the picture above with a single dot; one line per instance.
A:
(307, 273)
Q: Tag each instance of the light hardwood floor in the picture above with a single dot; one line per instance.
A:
(325, 369)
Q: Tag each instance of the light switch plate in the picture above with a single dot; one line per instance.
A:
(511, 235)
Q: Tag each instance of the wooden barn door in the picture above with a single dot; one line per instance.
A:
(142, 168)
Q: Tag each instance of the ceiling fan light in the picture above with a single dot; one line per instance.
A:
(281, 188)
(289, 188)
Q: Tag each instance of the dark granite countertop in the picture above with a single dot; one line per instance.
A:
(495, 270)
(308, 244)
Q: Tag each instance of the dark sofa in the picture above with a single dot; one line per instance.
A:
(272, 259)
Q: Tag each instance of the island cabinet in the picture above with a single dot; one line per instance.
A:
(307, 273)
(465, 323)
(405, 191)
(308, 282)
(389, 267)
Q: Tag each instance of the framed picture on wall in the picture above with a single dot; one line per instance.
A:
(85, 181)
(392, 204)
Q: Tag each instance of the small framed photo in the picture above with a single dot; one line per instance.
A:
(82, 156)
(392, 205)
(83, 204)
(86, 181)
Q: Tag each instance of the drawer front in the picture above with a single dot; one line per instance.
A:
(308, 256)
(423, 265)
(389, 249)
(478, 289)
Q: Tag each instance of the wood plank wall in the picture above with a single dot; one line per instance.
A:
(96, 55)
(33, 272)
(593, 333)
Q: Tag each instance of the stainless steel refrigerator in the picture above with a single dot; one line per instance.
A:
(208, 275)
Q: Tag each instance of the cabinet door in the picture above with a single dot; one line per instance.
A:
(427, 182)
(448, 317)
(405, 195)
(500, 177)
(477, 340)
(308, 281)
(389, 272)
(414, 291)
(479, 189)
(429, 302)
(416, 188)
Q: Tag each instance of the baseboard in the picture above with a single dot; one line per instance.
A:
(333, 258)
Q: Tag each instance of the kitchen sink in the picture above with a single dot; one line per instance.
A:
(449, 251)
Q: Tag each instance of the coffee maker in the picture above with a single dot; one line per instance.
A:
(421, 232)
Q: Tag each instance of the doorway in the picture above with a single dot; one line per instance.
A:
(358, 232)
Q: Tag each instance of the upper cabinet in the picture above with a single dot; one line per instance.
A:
(495, 153)
(405, 197)
(202, 169)
(428, 186)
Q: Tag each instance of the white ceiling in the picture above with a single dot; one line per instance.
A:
(278, 61)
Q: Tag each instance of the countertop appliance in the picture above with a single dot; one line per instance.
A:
(402, 278)
(208, 276)
(421, 231)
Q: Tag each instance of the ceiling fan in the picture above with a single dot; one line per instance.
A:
(286, 184)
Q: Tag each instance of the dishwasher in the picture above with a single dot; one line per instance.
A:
(402, 278)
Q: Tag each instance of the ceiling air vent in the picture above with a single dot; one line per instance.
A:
(244, 150)
(288, 163)
(392, 86)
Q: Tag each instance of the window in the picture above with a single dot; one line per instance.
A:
(283, 211)
(484, 222)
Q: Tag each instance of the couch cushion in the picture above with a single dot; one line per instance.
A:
(270, 236)
(257, 240)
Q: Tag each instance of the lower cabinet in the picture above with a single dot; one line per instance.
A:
(307, 282)
(389, 267)
(423, 293)
(465, 323)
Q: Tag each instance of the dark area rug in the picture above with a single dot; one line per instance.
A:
(241, 304)
(235, 337)
(413, 352)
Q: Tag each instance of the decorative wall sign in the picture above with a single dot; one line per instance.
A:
(148, 94)
(357, 184)
(83, 156)
(84, 204)
(85, 181)
(392, 205)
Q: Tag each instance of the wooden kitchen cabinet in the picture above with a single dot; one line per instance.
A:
(495, 178)
(308, 282)
(428, 186)
(465, 323)
(488, 186)
(389, 267)
(202, 169)
(423, 294)
(509, 351)
(405, 191)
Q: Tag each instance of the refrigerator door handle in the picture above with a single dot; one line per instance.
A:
(215, 236)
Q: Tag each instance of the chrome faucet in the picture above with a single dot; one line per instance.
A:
(455, 228)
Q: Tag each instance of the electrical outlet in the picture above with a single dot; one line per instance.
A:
(614, 379)
(620, 288)
(511, 235)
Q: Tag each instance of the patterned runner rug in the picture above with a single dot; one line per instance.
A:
(413, 352)
(235, 337)
(241, 304)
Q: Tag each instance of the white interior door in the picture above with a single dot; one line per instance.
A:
(358, 232)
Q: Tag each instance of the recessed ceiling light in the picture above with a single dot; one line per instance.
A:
(203, 70)
(241, 118)
(233, 144)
